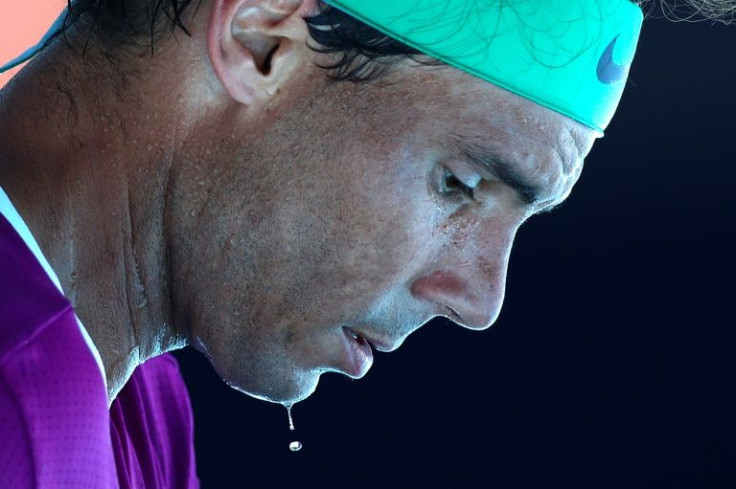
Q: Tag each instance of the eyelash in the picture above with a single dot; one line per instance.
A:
(462, 188)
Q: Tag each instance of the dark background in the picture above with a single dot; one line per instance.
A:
(612, 364)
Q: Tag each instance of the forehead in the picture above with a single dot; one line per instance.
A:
(462, 96)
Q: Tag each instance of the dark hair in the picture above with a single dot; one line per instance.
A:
(363, 53)
(117, 25)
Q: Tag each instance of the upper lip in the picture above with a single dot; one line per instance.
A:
(381, 344)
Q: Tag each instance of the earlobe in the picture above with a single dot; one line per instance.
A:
(242, 39)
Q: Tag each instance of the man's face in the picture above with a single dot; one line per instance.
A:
(349, 212)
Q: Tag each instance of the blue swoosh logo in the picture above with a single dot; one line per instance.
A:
(609, 72)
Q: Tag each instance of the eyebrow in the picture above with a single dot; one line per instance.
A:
(494, 162)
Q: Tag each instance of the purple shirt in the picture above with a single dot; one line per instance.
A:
(55, 428)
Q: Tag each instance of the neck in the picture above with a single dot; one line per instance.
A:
(93, 191)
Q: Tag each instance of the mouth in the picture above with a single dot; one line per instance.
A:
(359, 354)
(384, 345)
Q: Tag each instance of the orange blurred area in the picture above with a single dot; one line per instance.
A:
(22, 24)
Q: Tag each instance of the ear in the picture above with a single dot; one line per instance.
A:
(254, 45)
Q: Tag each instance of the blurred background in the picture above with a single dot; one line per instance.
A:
(613, 363)
(22, 24)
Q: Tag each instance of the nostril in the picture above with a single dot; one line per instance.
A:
(454, 315)
(470, 301)
(471, 317)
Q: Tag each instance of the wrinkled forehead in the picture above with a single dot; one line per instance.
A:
(486, 112)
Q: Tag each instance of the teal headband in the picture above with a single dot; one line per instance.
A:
(572, 56)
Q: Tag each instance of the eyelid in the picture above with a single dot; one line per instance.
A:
(465, 175)
(461, 188)
(472, 183)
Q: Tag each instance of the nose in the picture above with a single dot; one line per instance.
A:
(470, 291)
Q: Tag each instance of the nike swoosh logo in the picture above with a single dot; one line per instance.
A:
(609, 72)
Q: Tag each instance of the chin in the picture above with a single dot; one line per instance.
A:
(288, 390)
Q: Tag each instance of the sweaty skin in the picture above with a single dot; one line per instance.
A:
(254, 213)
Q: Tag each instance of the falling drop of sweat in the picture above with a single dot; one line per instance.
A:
(294, 446)
(291, 420)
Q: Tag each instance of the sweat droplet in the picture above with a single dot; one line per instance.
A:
(294, 446)
(291, 421)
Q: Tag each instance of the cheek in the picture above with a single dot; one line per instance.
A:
(387, 231)
(351, 242)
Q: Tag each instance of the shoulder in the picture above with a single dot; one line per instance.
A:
(152, 416)
(156, 390)
(29, 300)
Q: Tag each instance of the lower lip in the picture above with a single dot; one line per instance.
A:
(360, 356)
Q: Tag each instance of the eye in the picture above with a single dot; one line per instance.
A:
(452, 185)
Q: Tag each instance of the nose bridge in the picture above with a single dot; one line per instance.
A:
(489, 253)
(470, 276)
(491, 266)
